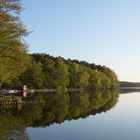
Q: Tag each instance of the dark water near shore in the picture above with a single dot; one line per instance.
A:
(74, 116)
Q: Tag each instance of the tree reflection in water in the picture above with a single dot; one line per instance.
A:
(53, 108)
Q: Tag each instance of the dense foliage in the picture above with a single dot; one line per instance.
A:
(50, 72)
(59, 73)
(13, 56)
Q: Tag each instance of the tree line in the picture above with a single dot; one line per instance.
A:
(50, 72)
(58, 73)
(129, 84)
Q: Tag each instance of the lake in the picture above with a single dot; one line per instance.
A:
(75, 116)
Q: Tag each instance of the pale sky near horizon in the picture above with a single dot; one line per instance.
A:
(105, 32)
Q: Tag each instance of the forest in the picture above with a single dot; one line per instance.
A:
(49, 72)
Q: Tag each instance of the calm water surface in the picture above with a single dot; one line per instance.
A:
(109, 118)
(119, 123)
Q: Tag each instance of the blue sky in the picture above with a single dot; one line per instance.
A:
(105, 32)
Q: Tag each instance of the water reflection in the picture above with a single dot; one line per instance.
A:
(53, 108)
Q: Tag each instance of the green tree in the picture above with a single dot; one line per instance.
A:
(33, 76)
(78, 75)
(111, 75)
(55, 70)
(61, 74)
(13, 56)
(49, 67)
(105, 81)
(94, 80)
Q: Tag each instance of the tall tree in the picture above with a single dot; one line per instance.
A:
(95, 79)
(33, 76)
(78, 75)
(13, 56)
(61, 75)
